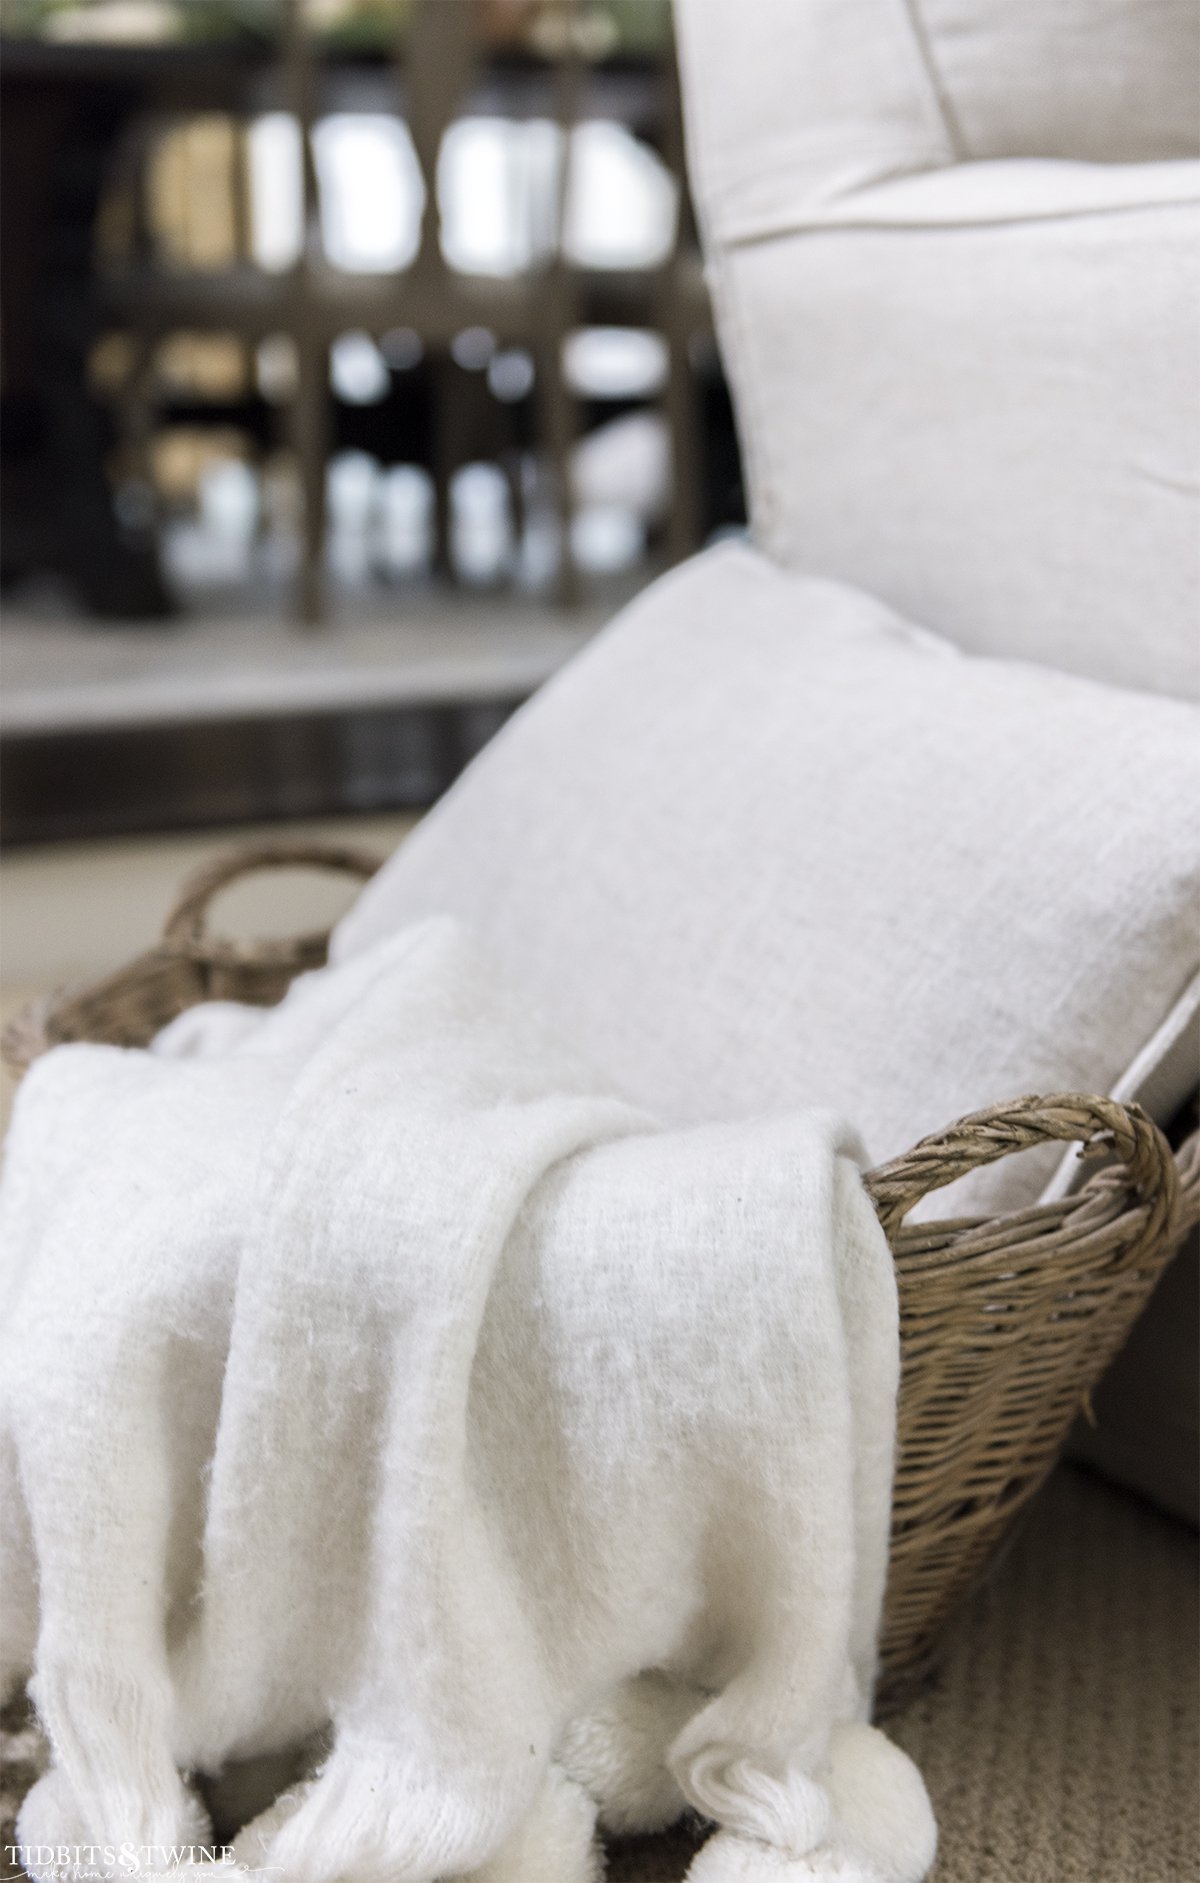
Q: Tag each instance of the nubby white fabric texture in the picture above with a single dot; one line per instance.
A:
(384, 1369)
(955, 254)
(766, 845)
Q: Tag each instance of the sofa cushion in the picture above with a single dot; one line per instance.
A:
(794, 101)
(980, 402)
(765, 844)
(963, 351)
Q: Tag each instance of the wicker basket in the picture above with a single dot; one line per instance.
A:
(1006, 1322)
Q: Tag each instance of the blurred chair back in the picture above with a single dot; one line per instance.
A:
(534, 309)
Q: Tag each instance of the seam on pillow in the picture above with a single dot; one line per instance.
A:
(823, 221)
(938, 90)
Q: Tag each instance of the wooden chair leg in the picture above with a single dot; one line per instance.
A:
(310, 440)
(557, 428)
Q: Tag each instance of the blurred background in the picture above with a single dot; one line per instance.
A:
(355, 365)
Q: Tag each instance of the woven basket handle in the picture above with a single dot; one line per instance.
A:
(185, 930)
(1100, 1124)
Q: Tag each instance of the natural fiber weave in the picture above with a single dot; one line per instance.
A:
(188, 965)
(1006, 1323)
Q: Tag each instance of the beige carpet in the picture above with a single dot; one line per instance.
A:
(1062, 1737)
(1061, 1741)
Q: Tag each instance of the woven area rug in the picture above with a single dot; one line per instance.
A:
(1061, 1740)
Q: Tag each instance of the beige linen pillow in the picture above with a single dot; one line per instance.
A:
(765, 845)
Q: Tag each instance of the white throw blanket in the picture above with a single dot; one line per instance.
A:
(379, 1372)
